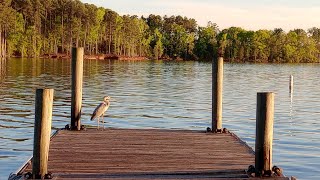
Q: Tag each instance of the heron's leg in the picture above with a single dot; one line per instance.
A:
(102, 121)
(98, 119)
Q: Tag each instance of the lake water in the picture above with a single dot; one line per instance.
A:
(162, 94)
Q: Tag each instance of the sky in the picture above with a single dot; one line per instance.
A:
(248, 14)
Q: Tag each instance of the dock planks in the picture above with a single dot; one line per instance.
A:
(147, 154)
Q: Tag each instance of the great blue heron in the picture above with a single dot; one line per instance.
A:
(101, 109)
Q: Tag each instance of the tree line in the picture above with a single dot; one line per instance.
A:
(31, 28)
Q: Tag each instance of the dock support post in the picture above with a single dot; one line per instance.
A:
(77, 77)
(217, 84)
(264, 133)
(42, 132)
(291, 84)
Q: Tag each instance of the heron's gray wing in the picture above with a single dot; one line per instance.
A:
(98, 111)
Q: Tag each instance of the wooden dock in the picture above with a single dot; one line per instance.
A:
(147, 154)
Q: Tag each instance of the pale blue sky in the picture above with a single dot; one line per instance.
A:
(248, 14)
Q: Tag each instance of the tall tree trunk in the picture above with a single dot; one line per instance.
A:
(116, 47)
(96, 46)
(62, 33)
(50, 22)
(34, 45)
(120, 50)
(106, 48)
(71, 40)
(85, 38)
(45, 22)
(91, 48)
(109, 39)
(22, 52)
(55, 46)
(77, 40)
(4, 44)
(0, 41)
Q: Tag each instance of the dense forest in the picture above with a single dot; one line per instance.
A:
(32, 28)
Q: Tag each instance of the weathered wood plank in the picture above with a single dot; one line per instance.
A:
(147, 154)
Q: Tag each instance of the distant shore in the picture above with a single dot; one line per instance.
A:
(95, 57)
(100, 57)
(143, 58)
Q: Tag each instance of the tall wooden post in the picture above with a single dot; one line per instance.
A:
(42, 132)
(217, 83)
(264, 132)
(291, 84)
(77, 76)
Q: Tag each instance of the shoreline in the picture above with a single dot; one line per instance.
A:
(90, 57)
(143, 58)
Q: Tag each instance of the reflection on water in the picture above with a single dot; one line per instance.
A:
(163, 94)
(2, 68)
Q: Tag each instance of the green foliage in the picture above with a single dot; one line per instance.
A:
(261, 50)
(158, 47)
(206, 44)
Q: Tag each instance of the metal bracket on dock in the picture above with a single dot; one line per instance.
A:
(30, 176)
(275, 172)
(224, 130)
(68, 127)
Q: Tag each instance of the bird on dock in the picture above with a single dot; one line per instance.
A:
(100, 110)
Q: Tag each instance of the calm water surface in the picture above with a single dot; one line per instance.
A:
(159, 94)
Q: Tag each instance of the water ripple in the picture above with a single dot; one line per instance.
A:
(171, 95)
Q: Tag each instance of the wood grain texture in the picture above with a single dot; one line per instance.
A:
(147, 154)
(42, 131)
(76, 87)
(217, 90)
(264, 132)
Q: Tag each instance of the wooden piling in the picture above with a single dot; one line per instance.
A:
(42, 131)
(77, 77)
(264, 133)
(291, 84)
(217, 84)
